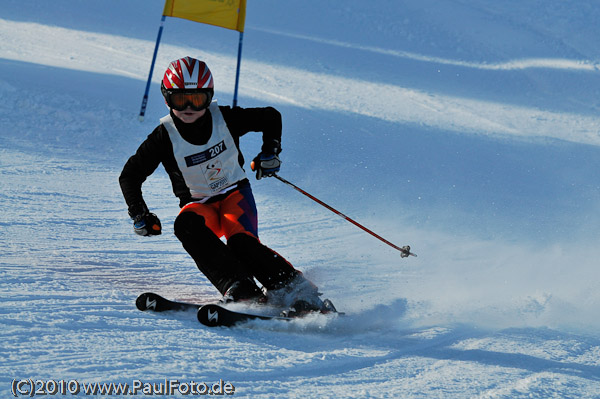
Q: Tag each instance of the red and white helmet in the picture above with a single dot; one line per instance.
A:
(187, 73)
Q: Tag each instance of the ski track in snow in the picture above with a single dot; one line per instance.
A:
(470, 317)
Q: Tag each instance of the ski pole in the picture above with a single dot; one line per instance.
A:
(404, 251)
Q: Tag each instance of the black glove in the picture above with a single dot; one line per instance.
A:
(144, 222)
(265, 165)
(147, 225)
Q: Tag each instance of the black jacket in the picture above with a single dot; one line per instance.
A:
(157, 149)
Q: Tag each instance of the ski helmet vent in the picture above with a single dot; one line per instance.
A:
(187, 73)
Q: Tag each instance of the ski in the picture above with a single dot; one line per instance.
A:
(156, 303)
(213, 315)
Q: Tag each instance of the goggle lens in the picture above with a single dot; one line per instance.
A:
(179, 101)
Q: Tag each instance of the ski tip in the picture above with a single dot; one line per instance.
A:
(212, 315)
(156, 303)
(145, 300)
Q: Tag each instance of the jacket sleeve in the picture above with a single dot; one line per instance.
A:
(266, 120)
(138, 167)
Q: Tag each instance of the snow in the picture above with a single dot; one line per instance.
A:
(467, 129)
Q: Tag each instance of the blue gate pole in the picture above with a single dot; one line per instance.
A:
(237, 72)
(145, 99)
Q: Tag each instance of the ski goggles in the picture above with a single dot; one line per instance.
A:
(197, 99)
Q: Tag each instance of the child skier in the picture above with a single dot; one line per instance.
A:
(198, 145)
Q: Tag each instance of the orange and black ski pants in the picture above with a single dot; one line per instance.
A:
(199, 227)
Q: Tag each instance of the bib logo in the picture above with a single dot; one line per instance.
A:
(214, 174)
(213, 170)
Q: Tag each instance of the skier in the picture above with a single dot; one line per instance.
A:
(198, 145)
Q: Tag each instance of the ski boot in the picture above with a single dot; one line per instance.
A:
(244, 291)
(300, 296)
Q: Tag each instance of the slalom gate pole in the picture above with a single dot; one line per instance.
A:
(237, 71)
(404, 251)
(145, 99)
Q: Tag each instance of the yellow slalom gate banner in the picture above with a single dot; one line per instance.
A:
(229, 14)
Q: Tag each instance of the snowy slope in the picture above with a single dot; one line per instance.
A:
(467, 129)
